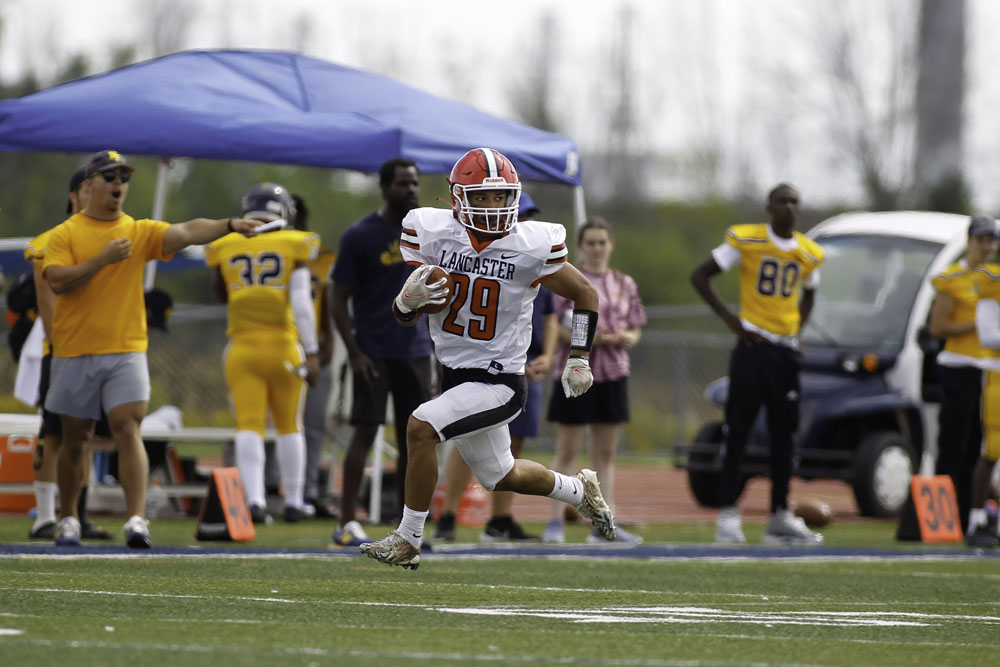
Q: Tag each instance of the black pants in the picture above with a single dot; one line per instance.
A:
(960, 430)
(761, 374)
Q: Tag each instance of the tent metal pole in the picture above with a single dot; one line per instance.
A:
(159, 203)
(579, 210)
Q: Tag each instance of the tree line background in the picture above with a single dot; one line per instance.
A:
(898, 130)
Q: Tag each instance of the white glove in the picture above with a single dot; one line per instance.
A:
(576, 377)
(416, 294)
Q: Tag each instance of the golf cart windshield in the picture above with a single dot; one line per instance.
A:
(867, 288)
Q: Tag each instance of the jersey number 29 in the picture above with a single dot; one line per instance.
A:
(483, 295)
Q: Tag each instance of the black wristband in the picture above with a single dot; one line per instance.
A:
(406, 317)
(583, 329)
(229, 224)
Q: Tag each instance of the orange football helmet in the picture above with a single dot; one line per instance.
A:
(484, 169)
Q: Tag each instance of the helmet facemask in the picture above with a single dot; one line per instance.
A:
(482, 218)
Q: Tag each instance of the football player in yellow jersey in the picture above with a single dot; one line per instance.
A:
(953, 318)
(987, 281)
(265, 280)
(94, 262)
(318, 395)
(778, 277)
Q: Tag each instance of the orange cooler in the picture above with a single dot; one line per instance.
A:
(16, 454)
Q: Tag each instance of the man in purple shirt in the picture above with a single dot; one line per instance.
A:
(385, 357)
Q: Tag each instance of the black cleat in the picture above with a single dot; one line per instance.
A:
(505, 529)
(982, 536)
(46, 531)
(259, 515)
(91, 531)
(445, 528)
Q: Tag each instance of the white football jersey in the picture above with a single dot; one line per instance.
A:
(487, 324)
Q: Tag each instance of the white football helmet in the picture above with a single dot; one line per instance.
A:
(485, 169)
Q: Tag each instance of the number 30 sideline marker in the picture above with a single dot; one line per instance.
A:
(933, 508)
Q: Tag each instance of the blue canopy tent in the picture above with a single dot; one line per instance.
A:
(273, 106)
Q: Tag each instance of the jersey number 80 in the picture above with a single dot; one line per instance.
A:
(775, 277)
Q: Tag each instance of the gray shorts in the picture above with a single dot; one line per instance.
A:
(81, 386)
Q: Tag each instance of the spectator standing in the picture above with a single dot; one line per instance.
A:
(94, 262)
(385, 358)
(265, 281)
(481, 340)
(318, 395)
(604, 409)
(50, 433)
(544, 337)
(960, 363)
(778, 279)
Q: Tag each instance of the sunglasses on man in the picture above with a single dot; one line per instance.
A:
(109, 176)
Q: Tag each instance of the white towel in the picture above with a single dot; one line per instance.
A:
(29, 367)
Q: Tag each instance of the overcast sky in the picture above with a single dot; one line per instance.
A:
(738, 75)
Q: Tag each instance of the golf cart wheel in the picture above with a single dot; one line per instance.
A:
(882, 471)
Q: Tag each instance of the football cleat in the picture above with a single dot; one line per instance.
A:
(445, 527)
(393, 549)
(505, 529)
(259, 515)
(91, 531)
(43, 531)
(594, 507)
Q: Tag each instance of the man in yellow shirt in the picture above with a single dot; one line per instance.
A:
(265, 281)
(960, 363)
(778, 277)
(94, 263)
(50, 433)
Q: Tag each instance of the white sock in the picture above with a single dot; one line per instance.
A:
(290, 450)
(45, 501)
(250, 461)
(412, 526)
(977, 517)
(567, 489)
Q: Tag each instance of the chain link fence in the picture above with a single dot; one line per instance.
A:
(682, 349)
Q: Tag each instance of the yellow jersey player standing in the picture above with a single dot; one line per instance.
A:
(960, 363)
(266, 282)
(777, 276)
(978, 532)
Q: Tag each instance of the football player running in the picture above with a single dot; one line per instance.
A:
(266, 282)
(481, 340)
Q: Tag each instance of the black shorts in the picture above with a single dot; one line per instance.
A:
(604, 403)
(408, 380)
(51, 422)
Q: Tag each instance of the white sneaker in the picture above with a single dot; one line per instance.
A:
(729, 527)
(554, 533)
(68, 532)
(136, 531)
(785, 528)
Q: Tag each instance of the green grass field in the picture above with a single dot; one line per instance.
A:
(318, 610)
